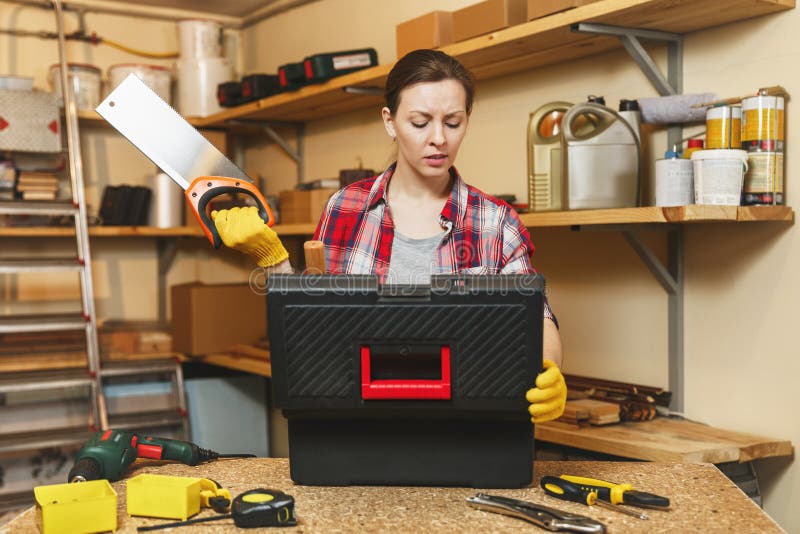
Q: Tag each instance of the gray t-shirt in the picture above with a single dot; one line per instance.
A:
(413, 260)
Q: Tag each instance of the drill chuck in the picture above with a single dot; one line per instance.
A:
(85, 469)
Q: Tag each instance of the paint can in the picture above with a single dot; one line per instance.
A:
(762, 123)
(718, 176)
(674, 182)
(763, 183)
(724, 127)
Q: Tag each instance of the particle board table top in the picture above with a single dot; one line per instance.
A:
(702, 499)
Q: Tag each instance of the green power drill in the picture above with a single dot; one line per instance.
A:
(109, 453)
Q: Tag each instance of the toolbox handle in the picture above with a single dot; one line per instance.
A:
(405, 389)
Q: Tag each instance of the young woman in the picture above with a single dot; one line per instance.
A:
(418, 217)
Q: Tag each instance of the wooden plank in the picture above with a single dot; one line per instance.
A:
(765, 213)
(256, 366)
(45, 361)
(139, 231)
(667, 440)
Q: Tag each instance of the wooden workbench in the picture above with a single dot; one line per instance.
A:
(702, 499)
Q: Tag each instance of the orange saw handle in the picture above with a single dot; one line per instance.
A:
(205, 188)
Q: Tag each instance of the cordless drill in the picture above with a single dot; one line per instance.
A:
(109, 453)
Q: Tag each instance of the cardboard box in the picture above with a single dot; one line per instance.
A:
(214, 317)
(488, 16)
(431, 30)
(299, 207)
(542, 8)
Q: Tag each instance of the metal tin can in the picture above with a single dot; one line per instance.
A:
(763, 182)
(724, 127)
(762, 123)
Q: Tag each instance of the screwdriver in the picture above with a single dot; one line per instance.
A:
(569, 491)
(620, 493)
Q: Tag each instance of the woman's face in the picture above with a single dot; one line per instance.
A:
(429, 125)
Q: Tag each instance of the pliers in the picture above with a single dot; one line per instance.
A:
(542, 516)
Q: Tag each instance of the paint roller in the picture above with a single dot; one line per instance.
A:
(675, 109)
(692, 107)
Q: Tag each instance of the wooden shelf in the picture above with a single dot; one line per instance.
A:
(139, 231)
(247, 358)
(537, 43)
(667, 440)
(683, 214)
(91, 118)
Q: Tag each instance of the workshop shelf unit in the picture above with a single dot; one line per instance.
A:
(584, 31)
(28, 387)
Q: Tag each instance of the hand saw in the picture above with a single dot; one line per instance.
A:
(179, 150)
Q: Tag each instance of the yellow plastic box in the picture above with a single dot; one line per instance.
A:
(76, 508)
(163, 496)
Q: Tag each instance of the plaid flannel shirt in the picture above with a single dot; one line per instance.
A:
(483, 235)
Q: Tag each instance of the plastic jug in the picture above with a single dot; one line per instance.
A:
(602, 159)
(545, 160)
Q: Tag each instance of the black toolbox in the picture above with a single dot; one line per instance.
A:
(392, 385)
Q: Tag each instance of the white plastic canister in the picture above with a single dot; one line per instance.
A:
(199, 39)
(86, 82)
(156, 77)
(197, 85)
(718, 176)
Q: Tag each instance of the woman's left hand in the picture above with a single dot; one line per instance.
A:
(549, 396)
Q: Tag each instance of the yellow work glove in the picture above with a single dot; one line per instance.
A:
(242, 229)
(549, 396)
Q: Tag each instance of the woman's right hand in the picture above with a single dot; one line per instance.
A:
(244, 230)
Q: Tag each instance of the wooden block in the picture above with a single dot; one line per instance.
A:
(600, 420)
(575, 412)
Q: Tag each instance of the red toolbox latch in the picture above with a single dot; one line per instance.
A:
(390, 377)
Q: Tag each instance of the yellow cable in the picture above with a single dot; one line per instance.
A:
(154, 55)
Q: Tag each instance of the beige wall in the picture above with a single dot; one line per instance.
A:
(741, 354)
(741, 283)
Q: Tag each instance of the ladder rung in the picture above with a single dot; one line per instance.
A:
(40, 207)
(42, 440)
(20, 265)
(41, 323)
(139, 368)
(35, 381)
(145, 421)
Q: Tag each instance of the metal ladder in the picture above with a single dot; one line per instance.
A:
(81, 263)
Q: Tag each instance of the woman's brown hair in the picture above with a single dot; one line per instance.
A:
(426, 66)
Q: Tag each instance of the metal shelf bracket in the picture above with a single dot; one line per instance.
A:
(672, 83)
(297, 154)
(671, 279)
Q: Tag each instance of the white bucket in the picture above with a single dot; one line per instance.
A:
(718, 176)
(86, 81)
(155, 77)
(197, 85)
(200, 39)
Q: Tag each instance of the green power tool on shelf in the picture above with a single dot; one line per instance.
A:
(109, 453)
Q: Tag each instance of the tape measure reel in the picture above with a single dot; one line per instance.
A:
(263, 508)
